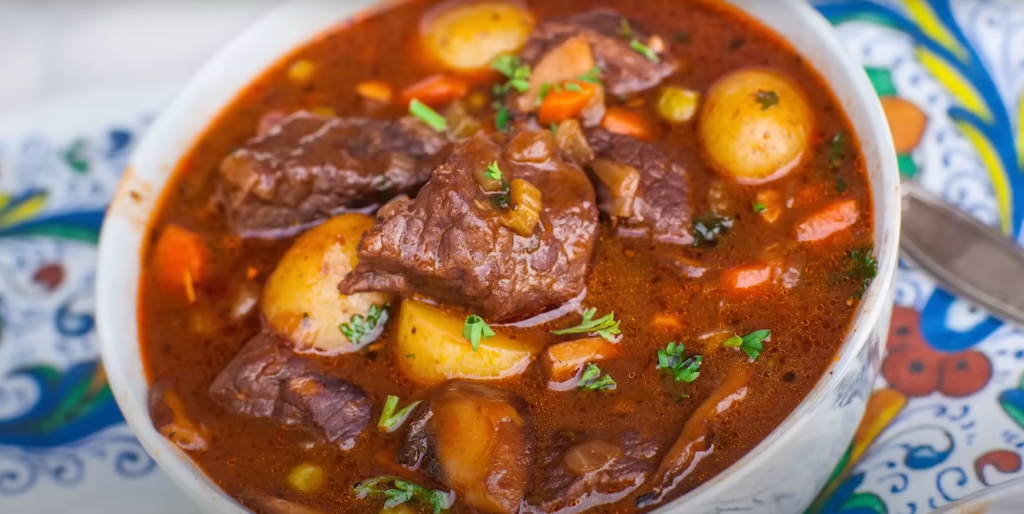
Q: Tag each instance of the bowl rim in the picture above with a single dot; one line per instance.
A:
(215, 86)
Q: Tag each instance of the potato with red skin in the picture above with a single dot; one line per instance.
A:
(755, 125)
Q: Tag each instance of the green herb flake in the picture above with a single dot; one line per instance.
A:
(841, 185)
(389, 419)
(865, 269)
(751, 344)
(398, 491)
(767, 99)
(673, 358)
(518, 74)
(493, 171)
(605, 326)
(625, 29)
(545, 90)
(758, 207)
(592, 380)
(502, 116)
(710, 227)
(475, 329)
(360, 328)
(554, 129)
(592, 76)
(644, 50)
(428, 115)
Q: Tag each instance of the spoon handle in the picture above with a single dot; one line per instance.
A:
(969, 258)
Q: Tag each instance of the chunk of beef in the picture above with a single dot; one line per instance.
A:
(308, 167)
(655, 200)
(579, 473)
(624, 70)
(266, 380)
(452, 243)
(476, 439)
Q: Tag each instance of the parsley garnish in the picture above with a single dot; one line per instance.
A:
(758, 207)
(502, 117)
(545, 89)
(554, 129)
(428, 115)
(574, 87)
(710, 227)
(683, 369)
(865, 269)
(605, 326)
(750, 343)
(389, 419)
(625, 29)
(645, 50)
(398, 491)
(359, 328)
(592, 76)
(474, 329)
(493, 172)
(841, 185)
(767, 99)
(518, 74)
(589, 379)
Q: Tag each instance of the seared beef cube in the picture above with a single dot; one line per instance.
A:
(460, 241)
(267, 380)
(638, 184)
(476, 439)
(309, 167)
(580, 473)
(624, 70)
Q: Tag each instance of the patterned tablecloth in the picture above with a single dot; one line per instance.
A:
(947, 416)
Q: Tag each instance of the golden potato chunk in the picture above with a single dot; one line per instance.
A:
(755, 125)
(467, 36)
(430, 348)
(301, 300)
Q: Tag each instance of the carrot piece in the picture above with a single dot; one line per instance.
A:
(828, 221)
(768, 204)
(377, 90)
(561, 361)
(666, 321)
(746, 277)
(626, 122)
(436, 90)
(180, 260)
(568, 102)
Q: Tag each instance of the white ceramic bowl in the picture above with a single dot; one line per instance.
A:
(781, 475)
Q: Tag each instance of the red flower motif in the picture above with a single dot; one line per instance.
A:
(916, 369)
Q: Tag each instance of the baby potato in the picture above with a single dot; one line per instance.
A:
(301, 300)
(466, 35)
(431, 349)
(755, 125)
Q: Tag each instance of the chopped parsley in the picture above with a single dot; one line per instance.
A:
(841, 185)
(361, 328)
(428, 115)
(592, 76)
(865, 269)
(574, 87)
(554, 129)
(591, 379)
(767, 99)
(684, 369)
(502, 117)
(645, 50)
(475, 329)
(758, 207)
(625, 29)
(605, 326)
(751, 344)
(493, 171)
(710, 227)
(389, 419)
(398, 491)
(518, 74)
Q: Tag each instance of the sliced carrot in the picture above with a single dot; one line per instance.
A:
(746, 277)
(561, 361)
(436, 90)
(626, 122)
(828, 221)
(566, 102)
(180, 260)
(376, 90)
(666, 321)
